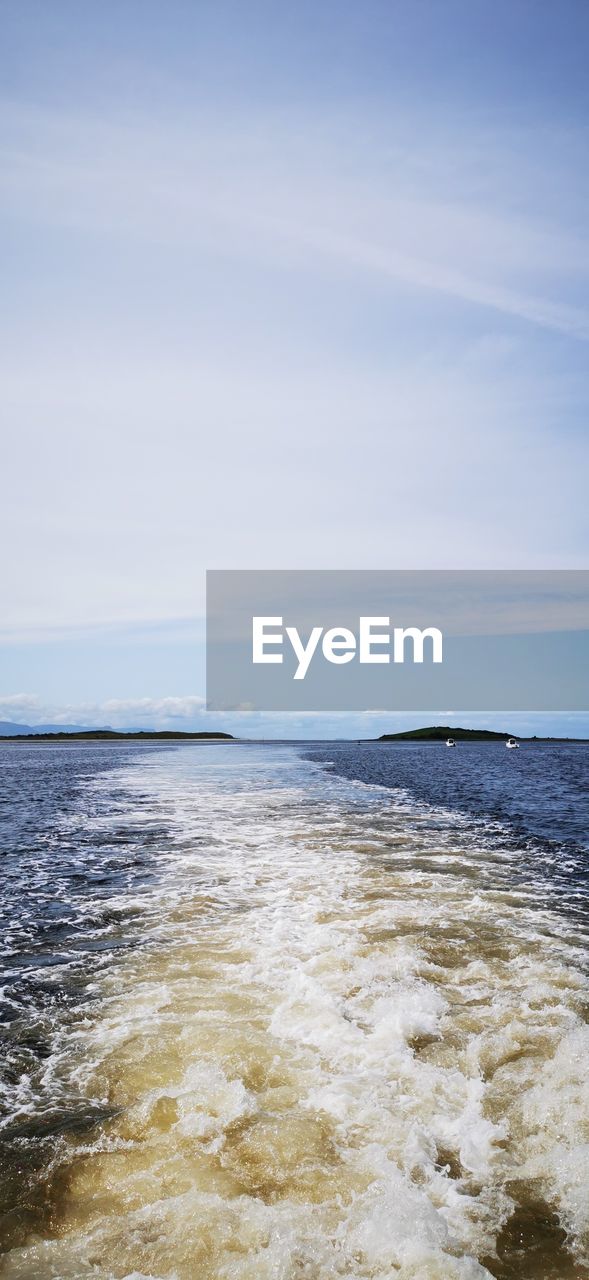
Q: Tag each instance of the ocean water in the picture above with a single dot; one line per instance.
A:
(278, 1012)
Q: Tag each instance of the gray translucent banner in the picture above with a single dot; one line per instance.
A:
(398, 640)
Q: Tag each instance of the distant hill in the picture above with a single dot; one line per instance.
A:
(10, 729)
(63, 734)
(439, 732)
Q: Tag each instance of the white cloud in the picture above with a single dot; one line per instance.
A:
(160, 711)
(189, 714)
(118, 713)
(19, 706)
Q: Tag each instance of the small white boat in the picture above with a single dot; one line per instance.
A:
(450, 742)
(511, 743)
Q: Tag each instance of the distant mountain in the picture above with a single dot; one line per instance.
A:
(9, 728)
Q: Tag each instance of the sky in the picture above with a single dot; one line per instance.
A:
(285, 286)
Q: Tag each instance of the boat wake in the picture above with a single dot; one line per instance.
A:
(348, 1046)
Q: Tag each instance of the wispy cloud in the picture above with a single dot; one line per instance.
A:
(348, 196)
(308, 336)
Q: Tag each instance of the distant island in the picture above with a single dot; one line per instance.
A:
(437, 732)
(108, 735)
(440, 732)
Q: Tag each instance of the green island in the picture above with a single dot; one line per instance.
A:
(440, 732)
(108, 735)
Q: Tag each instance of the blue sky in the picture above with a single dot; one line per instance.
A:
(284, 286)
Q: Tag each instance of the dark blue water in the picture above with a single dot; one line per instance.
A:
(75, 868)
(535, 800)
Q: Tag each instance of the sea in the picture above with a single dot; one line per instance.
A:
(294, 1012)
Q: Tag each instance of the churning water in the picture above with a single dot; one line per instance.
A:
(275, 1013)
